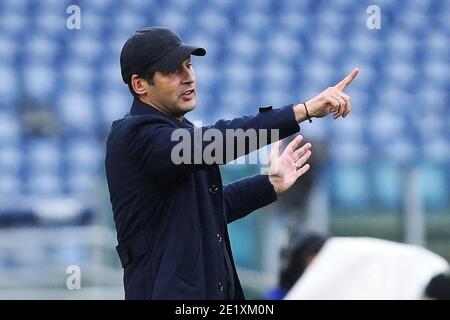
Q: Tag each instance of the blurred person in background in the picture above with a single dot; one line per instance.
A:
(315, 266)
(299, 248)
(38, 120)
(171, 219)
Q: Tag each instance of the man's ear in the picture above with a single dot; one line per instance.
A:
(140, 86)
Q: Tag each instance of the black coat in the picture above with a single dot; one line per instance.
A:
(171, 220)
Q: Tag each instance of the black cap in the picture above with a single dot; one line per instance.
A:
(156, 47)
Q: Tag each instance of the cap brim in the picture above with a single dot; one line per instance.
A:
(176, 56)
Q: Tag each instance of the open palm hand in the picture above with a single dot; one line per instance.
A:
(286, 168)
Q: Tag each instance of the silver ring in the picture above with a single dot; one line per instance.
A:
(296, 165)
(338, 99)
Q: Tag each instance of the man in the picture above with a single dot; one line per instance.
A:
(171, 218)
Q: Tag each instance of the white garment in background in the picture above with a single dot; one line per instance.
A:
(367, 268)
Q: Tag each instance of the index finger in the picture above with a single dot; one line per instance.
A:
(294, 144)
(347, 80)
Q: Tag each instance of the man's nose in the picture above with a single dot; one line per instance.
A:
(188, 76)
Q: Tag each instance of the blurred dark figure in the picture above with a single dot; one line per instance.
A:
(297, 253)
(439, 287)
(298, 250)
(38, 120)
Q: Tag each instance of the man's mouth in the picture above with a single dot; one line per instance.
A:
(188, 94)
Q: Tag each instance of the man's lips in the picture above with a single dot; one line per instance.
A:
(187, 92)
(187, 95)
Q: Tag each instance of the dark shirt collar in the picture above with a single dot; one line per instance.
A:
(139, 108)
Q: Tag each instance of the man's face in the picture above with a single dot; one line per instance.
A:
(174, 92)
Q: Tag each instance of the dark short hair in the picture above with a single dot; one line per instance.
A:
(147, 75)
(301, 245)
(439, 287)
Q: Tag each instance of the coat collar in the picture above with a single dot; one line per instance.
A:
(139, 108)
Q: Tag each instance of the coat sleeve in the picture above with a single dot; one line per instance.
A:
(246, 195)
(154, 145)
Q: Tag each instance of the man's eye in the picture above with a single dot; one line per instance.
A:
(189, 65)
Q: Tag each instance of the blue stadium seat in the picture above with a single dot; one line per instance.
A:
(9, 83)
(80, 185)
(43, 184)
(10, 160)
(9, 129)
(113, 105)
(401, 73)
(432, 98)
(256, 23)
(294, 22)
(13, 17)
(350, 151)
(352, 129)
(52, 18)
(84, 49)
(8, 49)
(318, 73)
(437, 73)
(129, 21)
(350, 188)
(327, 47)
(173, 18)
(83, 156)
(41, 48)
(365, 45)
(207, 75)
(275, 76)
(77, 111)
(385, 125)
(43, 156)
(295, 6)
(41, 78)
(213, 22)
(234, 102)
(246, 46)
(9, 184)
(238, 74)
(437, 149)
(78, 75)
(107, 72)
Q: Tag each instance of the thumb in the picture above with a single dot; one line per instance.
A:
(275, 152)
